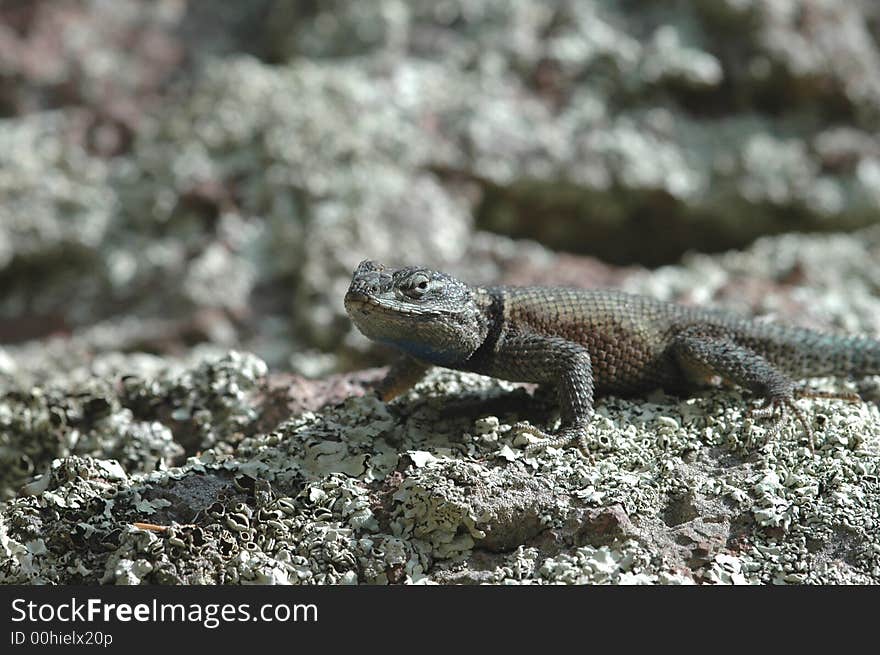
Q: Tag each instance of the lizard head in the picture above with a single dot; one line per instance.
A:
(427, 314)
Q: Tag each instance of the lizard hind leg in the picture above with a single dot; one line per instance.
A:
(748, 369)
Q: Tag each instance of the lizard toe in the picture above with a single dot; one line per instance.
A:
(776, 408)
(560, 440)
(808, 392)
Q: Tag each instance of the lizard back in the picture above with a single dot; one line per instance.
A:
(629, 337)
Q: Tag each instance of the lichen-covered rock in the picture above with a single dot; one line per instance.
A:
(145, 422)
(699, 125)
(436, 488)
(674, 504)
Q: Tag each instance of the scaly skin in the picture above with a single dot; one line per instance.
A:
(588, 343)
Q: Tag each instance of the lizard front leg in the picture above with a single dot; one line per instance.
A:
(404, 373)
(550, 360)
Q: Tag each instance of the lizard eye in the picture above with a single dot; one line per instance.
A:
(416, 286)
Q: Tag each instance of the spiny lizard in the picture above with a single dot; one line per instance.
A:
(591, 342)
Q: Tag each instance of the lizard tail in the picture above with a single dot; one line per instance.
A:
(804, 353)
(862, 356)
(823, 354)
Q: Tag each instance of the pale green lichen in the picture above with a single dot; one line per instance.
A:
(303, 505)
(432, 507)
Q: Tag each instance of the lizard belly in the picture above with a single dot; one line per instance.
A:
(624, 365)
(617, 365)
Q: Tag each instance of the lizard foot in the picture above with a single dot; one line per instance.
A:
(776, 408)
(564, 438)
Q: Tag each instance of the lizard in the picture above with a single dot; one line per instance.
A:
(587, 343)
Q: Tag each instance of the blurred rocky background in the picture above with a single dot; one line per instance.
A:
(175, 172)
(182, 178)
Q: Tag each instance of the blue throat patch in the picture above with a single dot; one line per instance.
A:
(423, 351)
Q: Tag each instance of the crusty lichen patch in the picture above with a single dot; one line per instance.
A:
(434, 488)
(146, 418)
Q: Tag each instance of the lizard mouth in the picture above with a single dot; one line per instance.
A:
(358, 301)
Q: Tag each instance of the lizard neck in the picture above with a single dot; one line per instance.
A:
(490, 303)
